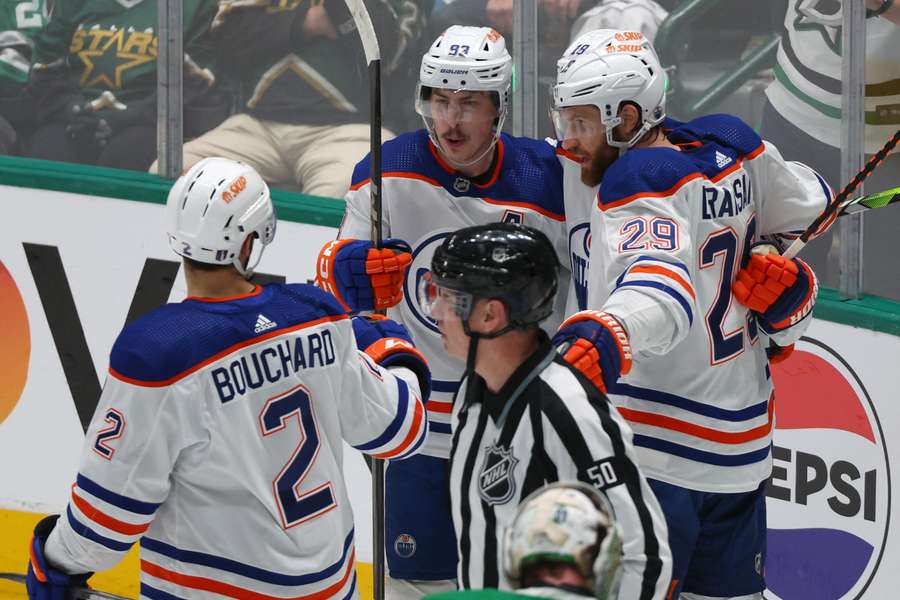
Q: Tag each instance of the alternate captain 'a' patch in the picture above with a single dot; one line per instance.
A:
(496, 483)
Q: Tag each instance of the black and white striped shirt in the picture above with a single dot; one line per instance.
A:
(548, 423)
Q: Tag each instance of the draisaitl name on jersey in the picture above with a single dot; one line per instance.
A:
(270, 363)
(719, 202)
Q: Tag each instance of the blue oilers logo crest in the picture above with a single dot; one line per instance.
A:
(579, 255)
(405, 545)
(496, 481)
(422, 253)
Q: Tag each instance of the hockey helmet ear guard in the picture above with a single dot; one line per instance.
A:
(214, 207)
(566, 522)
(607, 68)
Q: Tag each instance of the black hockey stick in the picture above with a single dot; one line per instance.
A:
(373, 58)
(80, 593)
(826, 219)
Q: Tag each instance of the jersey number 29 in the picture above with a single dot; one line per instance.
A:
(294, 505)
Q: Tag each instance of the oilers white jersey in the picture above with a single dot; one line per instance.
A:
(807, 86)
(424, 200)
(218, 443)
(670, 231)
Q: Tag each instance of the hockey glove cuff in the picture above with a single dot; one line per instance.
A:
(777, 354)
(780, 291)
(596, 344)
(362, 277)
(389, 344)
(42, 581)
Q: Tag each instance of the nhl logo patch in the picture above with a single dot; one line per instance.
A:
(461, 185)
(405, 545)
(496, 484)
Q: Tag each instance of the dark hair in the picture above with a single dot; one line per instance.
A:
(206, 267)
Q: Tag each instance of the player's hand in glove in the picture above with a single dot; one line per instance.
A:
(779, 290)
(362, 277)
(43, 582)
(389, 344)
(596, 344)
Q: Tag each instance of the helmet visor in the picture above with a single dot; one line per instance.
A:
(577, 123)
(458, 105)
(437, 302)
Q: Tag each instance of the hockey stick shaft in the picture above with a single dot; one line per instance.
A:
(373, 59)
(824, 220)
(81, 593)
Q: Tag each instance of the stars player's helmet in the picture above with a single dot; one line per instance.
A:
(212, 209)
(465, 58)
(607, 68)
(512, 263)
(566, 522)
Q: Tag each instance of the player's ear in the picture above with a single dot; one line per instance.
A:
(494, 316)
(631, 116)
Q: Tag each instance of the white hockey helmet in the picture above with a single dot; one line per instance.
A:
(212, 209)
(465, 58)
(566, 522)
(606, 68)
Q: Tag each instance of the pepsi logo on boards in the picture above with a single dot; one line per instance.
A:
(830, 491)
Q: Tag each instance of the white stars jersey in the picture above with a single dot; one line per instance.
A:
(424, 200)
(670, 229)
(218, 443)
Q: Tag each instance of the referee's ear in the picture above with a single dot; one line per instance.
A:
(489, 316)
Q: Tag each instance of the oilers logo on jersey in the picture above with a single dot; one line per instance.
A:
(579, 255)
(496, 484)
(405, 545)
(422, 252)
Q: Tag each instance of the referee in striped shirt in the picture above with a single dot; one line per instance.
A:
(522, 416)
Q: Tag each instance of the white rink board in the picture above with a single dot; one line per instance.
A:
(103, 244)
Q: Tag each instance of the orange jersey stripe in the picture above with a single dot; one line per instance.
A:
(410, 437)
(398, 175)
(105, 520)
(233, 591)
(439, 407)
(657, 270)
(224, 353)
(706, 433)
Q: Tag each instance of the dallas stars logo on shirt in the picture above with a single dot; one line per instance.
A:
(823, 16)
(496, 484)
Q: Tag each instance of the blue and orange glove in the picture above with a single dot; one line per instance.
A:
(389, 344)
(362, 277)
(596, 344)
(779, 290)
(42, 581)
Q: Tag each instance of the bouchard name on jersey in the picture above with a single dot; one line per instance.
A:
(218, 443)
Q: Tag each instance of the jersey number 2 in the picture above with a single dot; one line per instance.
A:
(295, 506)
(724, 244)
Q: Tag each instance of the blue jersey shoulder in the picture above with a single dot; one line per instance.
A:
(644, 171)
(174, 338)
(408, 153)
(531, 173)
(725, 130)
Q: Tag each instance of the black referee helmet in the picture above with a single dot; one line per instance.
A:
(512, 263)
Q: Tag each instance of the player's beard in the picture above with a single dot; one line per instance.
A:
(601, 158)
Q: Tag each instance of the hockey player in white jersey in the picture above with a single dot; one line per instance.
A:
(217, 441)
(459, 170)
(679, 208)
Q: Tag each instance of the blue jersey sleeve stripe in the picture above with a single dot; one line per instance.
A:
(394, 427)
(86, 532)
(671, 262)
(117, 500)
(663, 288)
(154, 594)
(352, 588)
(710, 458)
(244, 570)
(449, 387)
(439, 427)
(706, 410)
(412, 449)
